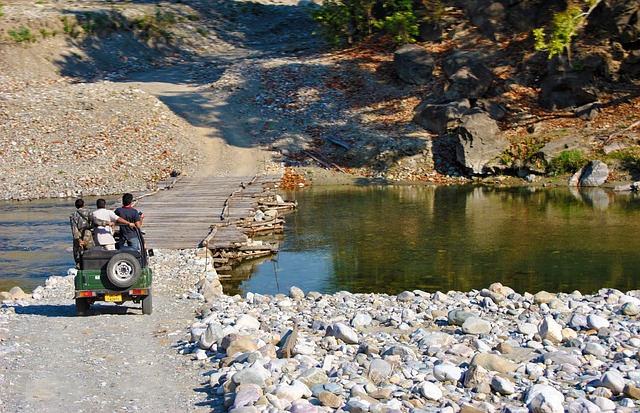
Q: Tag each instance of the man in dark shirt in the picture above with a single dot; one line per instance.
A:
(128, 235)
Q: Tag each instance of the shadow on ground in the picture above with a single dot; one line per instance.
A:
(53, 310)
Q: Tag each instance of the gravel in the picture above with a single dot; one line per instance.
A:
(114, 360)
(414, 352)
(87, 139)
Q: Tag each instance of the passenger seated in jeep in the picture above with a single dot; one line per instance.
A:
(82, 226)
(128, 235)
(104, 233)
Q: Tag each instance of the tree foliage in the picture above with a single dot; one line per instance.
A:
(564, 26)
(349, 21)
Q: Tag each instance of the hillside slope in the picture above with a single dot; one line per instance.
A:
(68, 110)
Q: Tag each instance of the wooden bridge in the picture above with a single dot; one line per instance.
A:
(211, 212)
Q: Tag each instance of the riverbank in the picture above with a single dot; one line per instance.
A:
(477, 351)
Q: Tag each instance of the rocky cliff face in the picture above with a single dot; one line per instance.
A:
(486, 56)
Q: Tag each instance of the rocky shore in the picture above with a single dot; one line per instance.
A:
(479, 351)
(493, 350)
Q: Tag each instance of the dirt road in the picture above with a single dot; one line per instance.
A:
(114, 360)
(227, 145)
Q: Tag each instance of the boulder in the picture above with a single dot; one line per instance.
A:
(489, 18)
(555, 147)
(583, 405)
(475, 325)
(494, 362)
(457, 317)
(430, 391)
(542, 398)
(458, 60)
(478, 141)
(630, 309)
(469, 82)
(406, 353)
(314, 376)
(212, 335)
(565, 90)
(296, 293)
(619, 18)
(594, 174)
(523, 15)
(430, 32)
(343, 332)
(210, 287)
(502, 385)
(589, 111)
(447, 372)
(631, 65)
(241, 344)
(475, 375)
(16, 293)
(438, 118)
(550, 330)
(613, 381)
(413, 64)
(379, 371)
(329, 399)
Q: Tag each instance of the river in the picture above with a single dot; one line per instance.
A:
(395, 238)
(36, 241)
(388, 239)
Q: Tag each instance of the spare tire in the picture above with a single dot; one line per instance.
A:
(123, 270)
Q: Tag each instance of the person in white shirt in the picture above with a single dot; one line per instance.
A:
(104, 234)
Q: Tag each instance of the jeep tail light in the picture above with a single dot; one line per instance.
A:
(86, 294)
(140, 291)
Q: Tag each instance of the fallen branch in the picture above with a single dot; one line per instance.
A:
(620, 132)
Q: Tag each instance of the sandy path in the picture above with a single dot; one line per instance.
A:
(227, 146)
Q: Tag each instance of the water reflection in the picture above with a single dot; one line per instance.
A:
(390, 239)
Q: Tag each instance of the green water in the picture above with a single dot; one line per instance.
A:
(390, 239)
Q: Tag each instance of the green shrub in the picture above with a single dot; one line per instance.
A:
(45, 33)
(523, 150)
(431, 11)
(67, 27)
(564, 26)
(401, 25)
(93, 23)
(163, 17)
(22, 35)
(629, 158)
(567, 162)
(1, 13)
(156, 25)
(349, 21)
(345, 21)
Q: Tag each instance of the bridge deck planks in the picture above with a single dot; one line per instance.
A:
(182, 217)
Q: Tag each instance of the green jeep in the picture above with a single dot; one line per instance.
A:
(114, 276)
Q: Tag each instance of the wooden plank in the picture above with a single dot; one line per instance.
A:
(199, 204)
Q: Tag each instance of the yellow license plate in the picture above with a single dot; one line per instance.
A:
(114, 297)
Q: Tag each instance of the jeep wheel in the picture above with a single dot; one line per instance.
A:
(123, 270)
(147, 305)
(82, 306)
